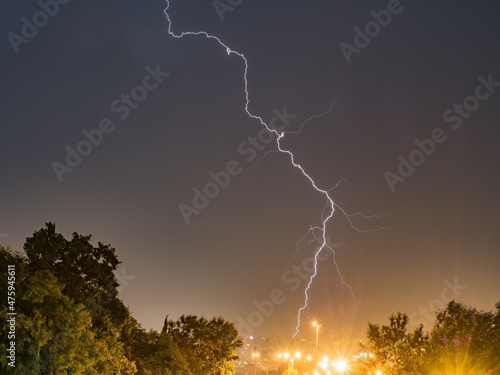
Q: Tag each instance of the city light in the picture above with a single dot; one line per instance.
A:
(286, 356)
(255, 356)
(316, 325)
(340, 365)
(324, 363)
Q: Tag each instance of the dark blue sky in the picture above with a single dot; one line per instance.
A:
(442, 219)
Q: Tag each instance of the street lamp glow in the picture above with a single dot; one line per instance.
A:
(378, 372)
(297, 355)
(255, 356)
(340, 365)
(316, 324)
(323, 365)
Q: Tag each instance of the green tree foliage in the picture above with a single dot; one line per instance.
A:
(87, 275)
(495, 341)
(157, 354)
(396, 351)
(209, 346)
(87, 272)
(291, 371)
(71, 320)
(464, 341)
(53, 334)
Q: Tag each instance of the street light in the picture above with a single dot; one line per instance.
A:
(286, 356)
(340, 365)
(324, 364)
(297, 355)
(283, 356)
(317, 324)
(255, 360)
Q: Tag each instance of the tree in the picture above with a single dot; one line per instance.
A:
(86, 274)
(396, 351)
(209, 346)
(157, 354)
(495, 340)
(464, 341)
(70, 319)
(291, 371)
(53, 334)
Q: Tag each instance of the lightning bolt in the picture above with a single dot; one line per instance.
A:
(312, 229)
(330, 206)
(302, 126)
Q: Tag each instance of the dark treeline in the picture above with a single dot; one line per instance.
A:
(70, 319)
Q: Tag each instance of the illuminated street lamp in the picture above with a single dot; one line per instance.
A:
(297, 355)
(286, 356)
(255, 360)
(340, 365)
(324, 364)
(317, 324)
(283, 356)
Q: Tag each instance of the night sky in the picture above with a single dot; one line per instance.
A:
(429, 77)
